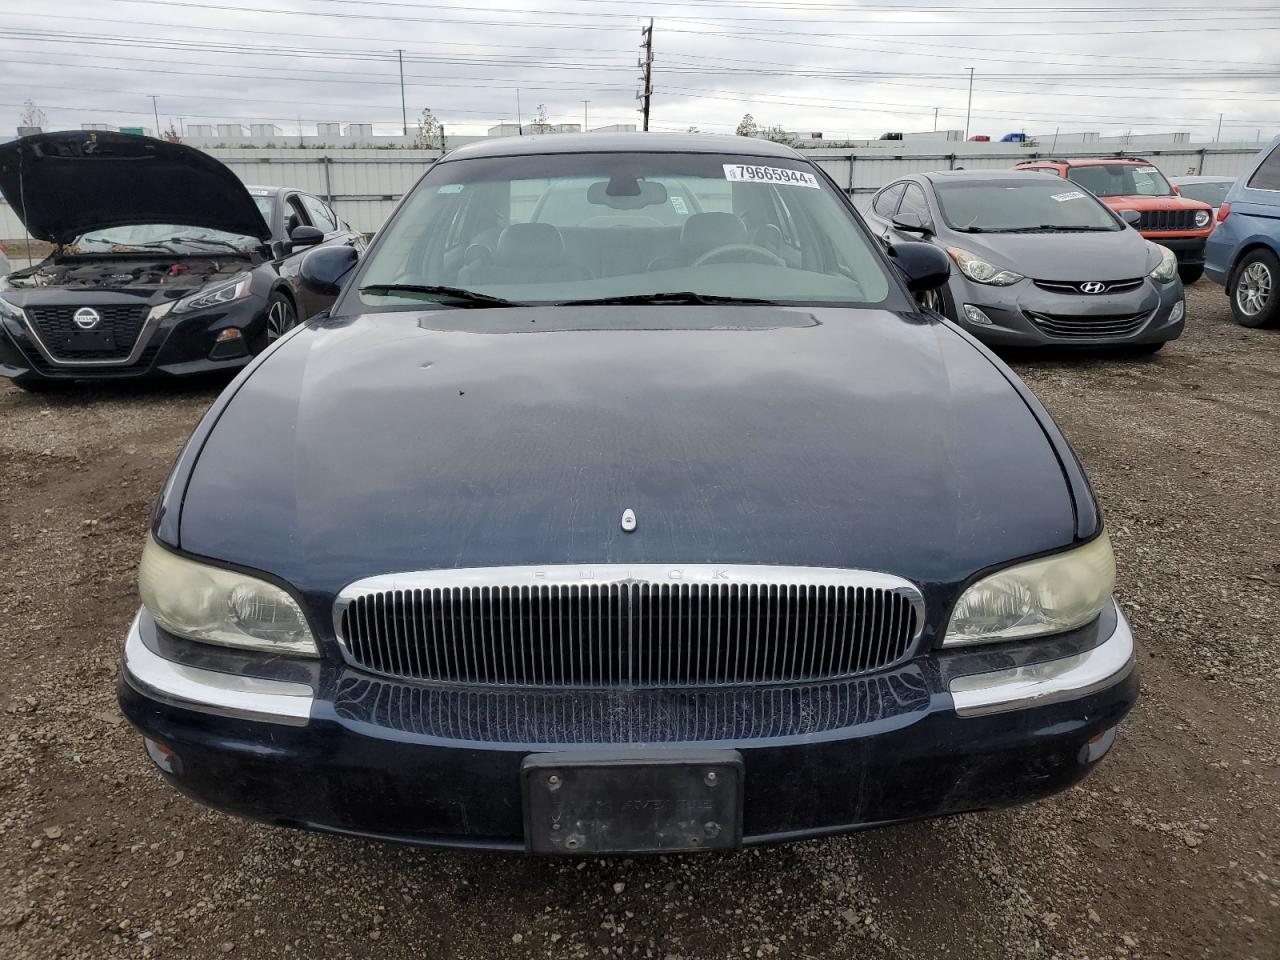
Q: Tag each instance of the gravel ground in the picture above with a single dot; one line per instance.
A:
(1169, 850)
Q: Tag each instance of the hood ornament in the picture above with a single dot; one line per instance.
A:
(628, 520)
(1093, 286)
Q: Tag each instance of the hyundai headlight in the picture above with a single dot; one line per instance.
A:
(1202, 219)
(215, 295)
(980, 271)
(1055, 593)
(1167, 272)
(214, 605)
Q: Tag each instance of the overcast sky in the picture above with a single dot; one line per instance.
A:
(847, 69)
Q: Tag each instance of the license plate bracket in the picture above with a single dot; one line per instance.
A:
(601, 802)
(89, 341)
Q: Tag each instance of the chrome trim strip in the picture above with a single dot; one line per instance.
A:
(208, 691)
(144, 335)
(606, 574)
(1041, 684)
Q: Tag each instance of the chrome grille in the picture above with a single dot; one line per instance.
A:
(1084, 327)
(646, 626)
(1111, 286)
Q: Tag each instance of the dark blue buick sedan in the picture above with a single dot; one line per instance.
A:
(625, 501)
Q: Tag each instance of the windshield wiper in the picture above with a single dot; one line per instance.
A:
(211, 241)
(679, 297)
(468, 297)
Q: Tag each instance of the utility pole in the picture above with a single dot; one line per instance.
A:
(155, 109)
(1218, 136)
(404, 113)
(968, 113)
(584, 115)
(519, 119)
(647, 63)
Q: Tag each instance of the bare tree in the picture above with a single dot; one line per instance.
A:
(540, 122)
(32, 116)
(171, 135)
(747, 126)
(693, 129)
(429, 131)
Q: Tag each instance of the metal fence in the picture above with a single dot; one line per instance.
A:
(364, 185)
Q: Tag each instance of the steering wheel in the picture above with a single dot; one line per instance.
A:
(734, 253)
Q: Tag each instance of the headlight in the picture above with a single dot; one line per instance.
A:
(215, 295)
(1167, 272)
(1202, 218)
(220, 606)
(1049, 595)
(7, 309)
(979, 271)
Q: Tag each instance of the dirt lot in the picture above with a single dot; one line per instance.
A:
(1171, 850)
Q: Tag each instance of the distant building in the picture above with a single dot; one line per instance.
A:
(199, 130)
(96, 126)
(615, 128)
(229, 130)
(266, 130)
(359, 131)
(328, 129)
(505, 130)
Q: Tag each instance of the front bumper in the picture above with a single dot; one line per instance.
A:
(1188, 250)
(1012, 311)
(433, 766)
(177, 346)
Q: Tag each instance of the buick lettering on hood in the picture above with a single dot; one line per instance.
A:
(625, 502)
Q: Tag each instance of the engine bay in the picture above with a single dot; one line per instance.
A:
(112, 273)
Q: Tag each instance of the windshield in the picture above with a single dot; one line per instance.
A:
(1211, 193)
(172, 237)
(565, 228)
(1015, 206)
(1121, 180)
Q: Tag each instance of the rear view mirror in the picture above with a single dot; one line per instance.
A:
(909, 222)
(923, 265)
(1131, 217)
(322, 270)
(626, 193)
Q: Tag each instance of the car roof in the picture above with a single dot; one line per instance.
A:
(1003, 175)
(1093, 161)
(622, 143)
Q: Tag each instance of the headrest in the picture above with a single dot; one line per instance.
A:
(706, 231)
(529, 245)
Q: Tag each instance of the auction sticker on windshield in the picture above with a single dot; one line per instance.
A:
(748, 173)
(1064, 197)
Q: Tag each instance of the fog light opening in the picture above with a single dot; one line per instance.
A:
(1097, 748)
(229, 343)
(163, 756)
(975, 315)
(231, 333)
(1178, 312)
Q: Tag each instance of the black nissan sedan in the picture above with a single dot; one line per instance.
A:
(164, 264)
(625, 501)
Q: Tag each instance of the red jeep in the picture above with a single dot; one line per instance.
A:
(1164, 217)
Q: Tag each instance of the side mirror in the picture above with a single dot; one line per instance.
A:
(924, 266)
(321, 271)
(909, 222)
(1176, 189)
(1131, 217)
(304, 236)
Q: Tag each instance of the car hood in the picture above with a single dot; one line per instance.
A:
(1153, 203)
(1067, 257)
(463, 438)
(65, 184)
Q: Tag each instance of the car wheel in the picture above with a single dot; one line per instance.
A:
(1255, 301)
(939, 301)
(281, 317)
(1191, 274)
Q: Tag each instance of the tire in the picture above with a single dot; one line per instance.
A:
(281, 317)
(1255, 289)
(1191, 274)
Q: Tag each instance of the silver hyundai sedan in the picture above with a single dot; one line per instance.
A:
(1039, 262)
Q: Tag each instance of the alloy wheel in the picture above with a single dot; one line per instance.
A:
(279, 319)
(1253, 289)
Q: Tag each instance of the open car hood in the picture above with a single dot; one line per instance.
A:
(68, 183)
